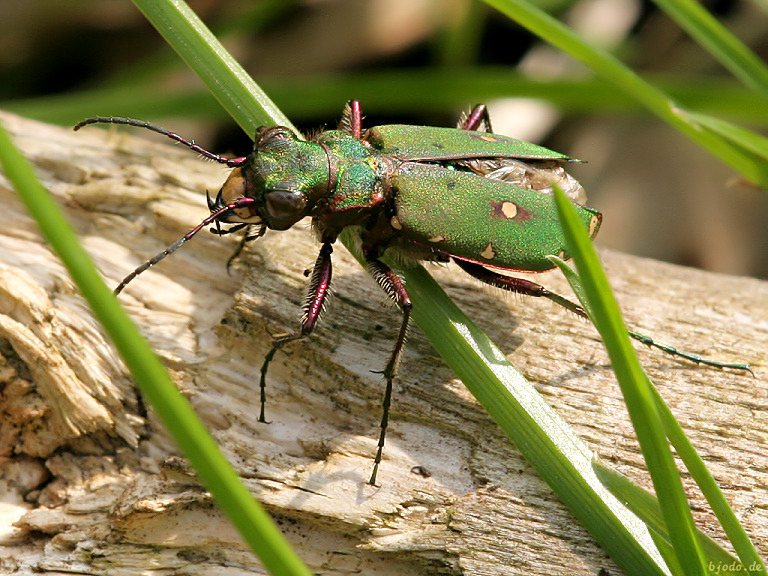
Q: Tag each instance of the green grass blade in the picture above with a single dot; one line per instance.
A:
(544, 439)
(636, 390)
(235, 90)
(646, 506)
(612, 71)
(695, 465)
(134, 101)
(188, 431)
(738, 136)
(735, 532)
(458, 44)
(420, 91)
(731, 52)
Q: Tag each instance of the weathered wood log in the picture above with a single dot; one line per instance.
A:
(92, 486)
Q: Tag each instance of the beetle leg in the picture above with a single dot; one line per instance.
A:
(532, 289)
(219, 231)
(352, 119)
(248, 236)
(317, 296)
(477, 117)
(695, 358)
(394, 286)
(518, 285)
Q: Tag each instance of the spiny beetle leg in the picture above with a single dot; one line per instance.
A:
(352, 119)
(394, 286)
(355, 119)
(477, 117)
(317, 295)
(517, 285)
(528, 288)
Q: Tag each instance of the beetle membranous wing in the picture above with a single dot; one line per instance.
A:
(537, 175)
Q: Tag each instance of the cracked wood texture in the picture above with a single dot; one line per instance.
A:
(90, 486)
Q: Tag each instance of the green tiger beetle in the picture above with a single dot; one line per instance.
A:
(419, 193)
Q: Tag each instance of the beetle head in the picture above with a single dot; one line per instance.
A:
(283, 175)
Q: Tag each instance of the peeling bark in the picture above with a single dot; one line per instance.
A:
(90, 486)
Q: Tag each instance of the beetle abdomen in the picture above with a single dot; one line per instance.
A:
(488, 221)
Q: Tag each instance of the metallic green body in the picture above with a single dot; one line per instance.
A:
(358, 173)
(479, 219)
(428, 192)
(433, 143)
(482, 200)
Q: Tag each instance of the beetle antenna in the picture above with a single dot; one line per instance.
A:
(239, 203)
(231, 162)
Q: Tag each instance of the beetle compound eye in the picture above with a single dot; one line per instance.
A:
(276, 137)
(282, 133)
(285, 206)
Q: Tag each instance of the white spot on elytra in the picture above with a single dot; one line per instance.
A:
(509, 209)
